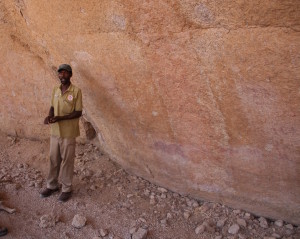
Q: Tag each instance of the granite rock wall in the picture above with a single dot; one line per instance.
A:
(201, 97)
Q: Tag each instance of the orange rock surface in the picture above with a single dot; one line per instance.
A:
(201, 97)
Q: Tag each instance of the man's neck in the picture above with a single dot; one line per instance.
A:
(65, 87)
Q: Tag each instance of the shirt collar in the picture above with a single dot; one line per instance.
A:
(70, 88)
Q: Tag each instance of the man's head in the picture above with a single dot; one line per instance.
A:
(64, 73)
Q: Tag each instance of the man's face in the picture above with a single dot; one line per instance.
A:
(64, 76)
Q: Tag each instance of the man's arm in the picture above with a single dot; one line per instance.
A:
(73, 115)
(50, 115)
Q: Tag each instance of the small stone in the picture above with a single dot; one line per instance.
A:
(221, 222)
(233, 229)
(38, 184)
(31, 184)
(186, 215)
(132, 230)
(116, 180)
(142, 220)
(278, 223)
(15, 175)
(163, 221)
(200, 229)
(78, 221)
(66, 235)
(288, 232)
(175, 195)
(204, 208)
(247, 215)
(224, 231)
(20, 165)
(236, 211)
(152, 201)
(88, 173)
(152, 196)
(188, 202)
(140, 234)
(47, 220)
(103, 232)
(289, 226)
(195, 204)
(241, 222)
(263, 222)
(276, 235)
(162, 190)
(169, 215)
(209, 228)
(146, 192)
(163, 195)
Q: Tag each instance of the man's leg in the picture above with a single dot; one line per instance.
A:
(55, 162)
(67, 147)
(54, 166)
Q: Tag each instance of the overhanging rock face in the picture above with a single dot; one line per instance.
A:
(201, 97)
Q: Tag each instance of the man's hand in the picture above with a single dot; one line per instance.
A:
(55, 119)
(47, 120)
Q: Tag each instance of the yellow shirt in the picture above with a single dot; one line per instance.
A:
(65, 104)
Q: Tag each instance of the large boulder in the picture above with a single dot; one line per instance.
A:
(201, 97)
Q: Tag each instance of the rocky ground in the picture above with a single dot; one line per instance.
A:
(110, 203)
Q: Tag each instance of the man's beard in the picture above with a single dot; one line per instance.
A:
(64, 81)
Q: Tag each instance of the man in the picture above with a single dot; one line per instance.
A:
(64, 113)
(3, 231)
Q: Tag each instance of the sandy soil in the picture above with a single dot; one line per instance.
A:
(113, 202)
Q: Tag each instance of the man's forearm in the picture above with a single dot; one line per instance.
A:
(73, 115)
(47, 120)
(51, 112)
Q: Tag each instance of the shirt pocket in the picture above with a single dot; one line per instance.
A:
(68, 106)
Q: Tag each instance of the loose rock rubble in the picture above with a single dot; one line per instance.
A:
(117, 204)
(48, 220)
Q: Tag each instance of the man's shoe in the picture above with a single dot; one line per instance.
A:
(3, 231)
(48, 192)
(64, 196)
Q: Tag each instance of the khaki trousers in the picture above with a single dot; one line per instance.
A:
(62, 155)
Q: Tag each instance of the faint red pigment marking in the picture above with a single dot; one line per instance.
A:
(173, 149)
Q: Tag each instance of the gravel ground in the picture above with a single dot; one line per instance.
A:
(109, 203)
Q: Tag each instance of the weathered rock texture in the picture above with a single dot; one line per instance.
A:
(201, 97)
